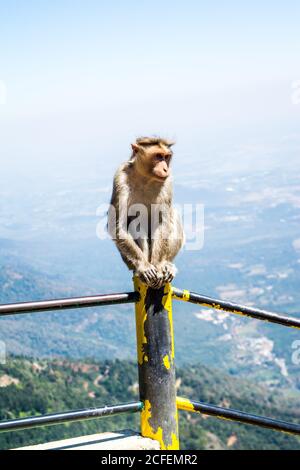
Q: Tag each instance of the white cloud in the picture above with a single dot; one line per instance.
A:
(296, 244)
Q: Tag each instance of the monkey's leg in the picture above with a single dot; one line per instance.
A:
(160, 258)
(168, 240)
(147, 274)
(136, 259)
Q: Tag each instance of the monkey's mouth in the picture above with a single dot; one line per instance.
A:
(161, 178)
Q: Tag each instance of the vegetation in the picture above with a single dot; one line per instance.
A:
(30, 387)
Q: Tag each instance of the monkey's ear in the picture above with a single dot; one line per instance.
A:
(135, 148)
(171, 143)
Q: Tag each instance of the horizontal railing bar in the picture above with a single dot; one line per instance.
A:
(68, 416)
(226, 306)
(68, 303)
(239, 416)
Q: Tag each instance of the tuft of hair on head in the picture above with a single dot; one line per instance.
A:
(145, 142)
(149, 141)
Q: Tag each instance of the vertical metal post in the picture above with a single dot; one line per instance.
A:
(155, 350)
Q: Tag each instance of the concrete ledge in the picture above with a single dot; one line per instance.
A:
(121, 440)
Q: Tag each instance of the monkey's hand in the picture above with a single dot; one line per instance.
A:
(147, 273)
(166, 273)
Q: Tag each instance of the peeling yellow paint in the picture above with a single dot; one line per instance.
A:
(141, 317)
(147, 430)
(175, 443)
(167, 362)
(167, 303)
(186, 295)
(184, 404)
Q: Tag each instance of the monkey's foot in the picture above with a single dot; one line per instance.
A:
(169, 271)
(147, 275)
(166, 273)
(158, 282)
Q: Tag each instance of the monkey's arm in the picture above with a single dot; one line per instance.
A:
(165, 246)
(168, 240)
(131, 253)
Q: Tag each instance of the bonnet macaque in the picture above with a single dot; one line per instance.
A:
(142, 221)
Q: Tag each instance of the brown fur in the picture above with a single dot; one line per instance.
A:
(149, 254)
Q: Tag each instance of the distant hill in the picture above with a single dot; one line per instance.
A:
(89, 332)
(49, 249)
(30, 387)
(240, 346)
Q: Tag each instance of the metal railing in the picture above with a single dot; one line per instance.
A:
(155, 353)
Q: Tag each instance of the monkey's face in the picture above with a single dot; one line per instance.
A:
(154, 162)
(161, 165)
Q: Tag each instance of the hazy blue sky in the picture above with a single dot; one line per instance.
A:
(83, 78)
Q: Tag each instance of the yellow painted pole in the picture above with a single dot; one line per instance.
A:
(155, 351)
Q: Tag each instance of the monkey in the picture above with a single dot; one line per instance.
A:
(142, 221)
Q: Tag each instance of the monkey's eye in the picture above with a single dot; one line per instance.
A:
(159, 157)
